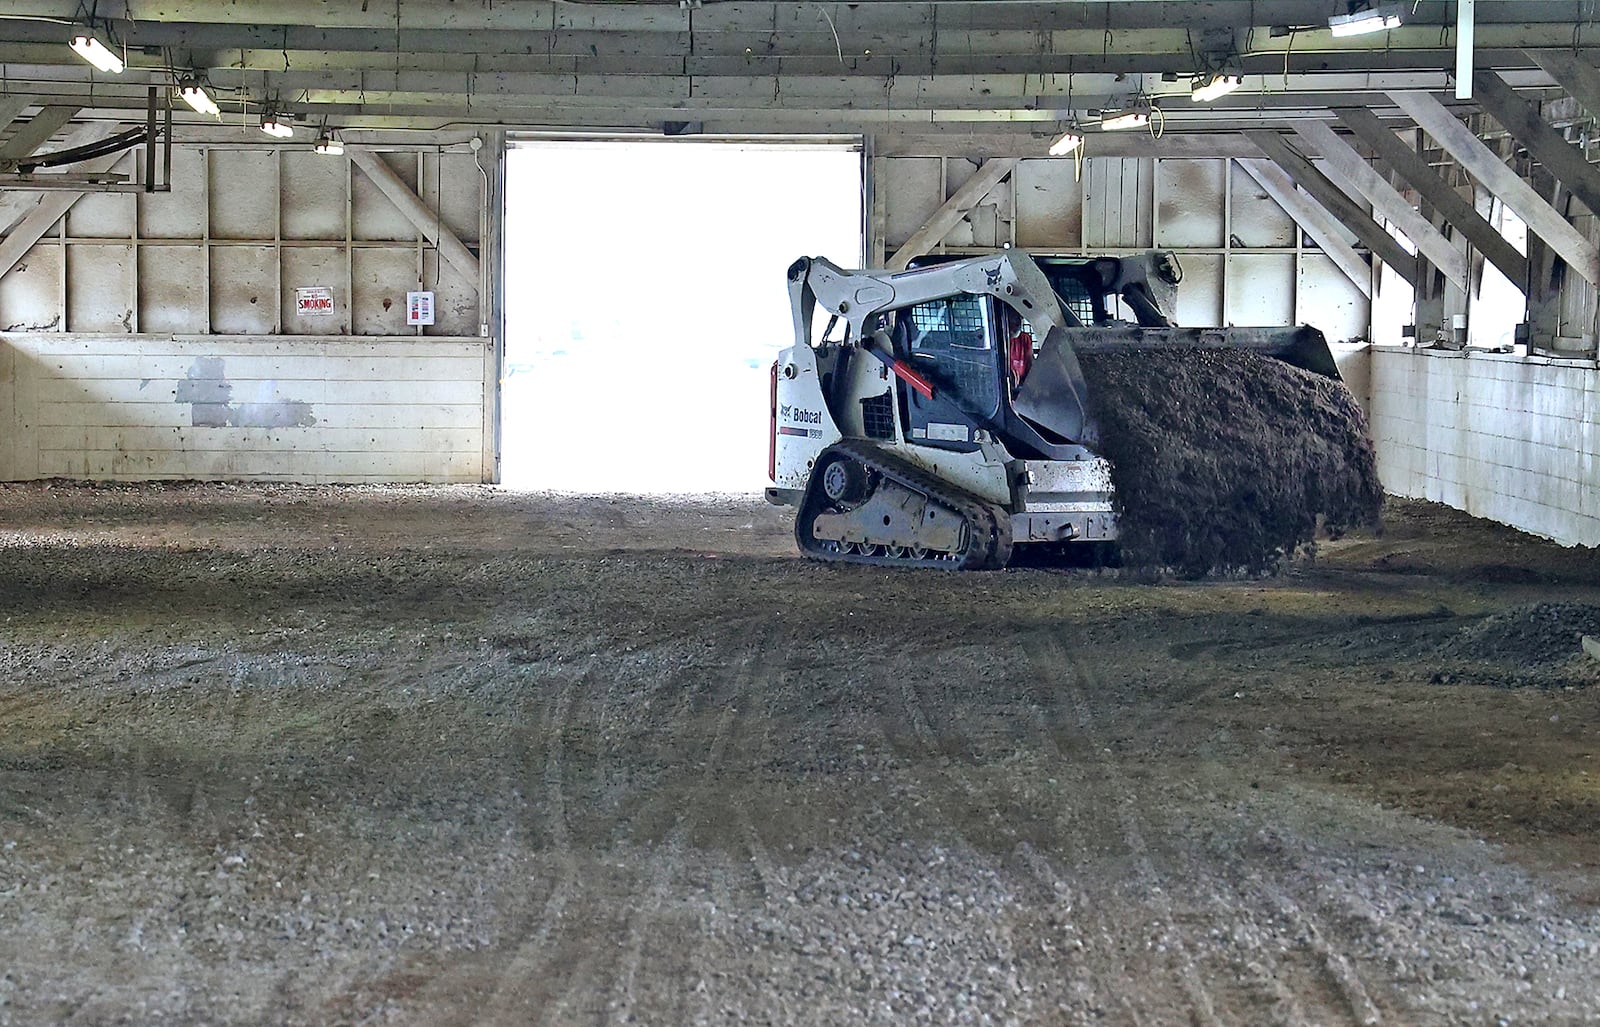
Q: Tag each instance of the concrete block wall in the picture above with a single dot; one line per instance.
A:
(289, 408)
(1509, 438)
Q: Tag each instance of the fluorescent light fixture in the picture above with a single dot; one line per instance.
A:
(1065, 144)
(1208, 87)
(194, 94)
(1111, 121)
(1364, 18)
(88, 46)
(328, 143)
(279, 126)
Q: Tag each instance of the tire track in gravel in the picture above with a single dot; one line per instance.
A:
(748, 687)
(1087, 988)
(507, 1004)
(1251, 936)
(765, 693)
(1044, 651)
(1346, 997)
(1345, 992)
(641, 984)
(681, 967)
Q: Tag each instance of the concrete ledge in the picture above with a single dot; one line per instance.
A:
(1585, 362)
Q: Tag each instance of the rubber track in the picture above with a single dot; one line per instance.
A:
(988, 527)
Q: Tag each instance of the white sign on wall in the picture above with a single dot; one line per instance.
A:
(313, 301)
(419, 308)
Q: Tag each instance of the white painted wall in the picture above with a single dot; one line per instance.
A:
(1513, 439)
(108, 319)
(291, 408)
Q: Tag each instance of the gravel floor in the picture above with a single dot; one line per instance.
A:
(459, 756)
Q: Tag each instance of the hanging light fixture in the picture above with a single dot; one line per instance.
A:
(1362, 17)
(1136, 116)
(1065, 143)
(87, 44)
(279, 126)
(1212, 85)
(329, 144)
(193, 93)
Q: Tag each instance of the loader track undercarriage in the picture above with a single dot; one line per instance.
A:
(862, 505)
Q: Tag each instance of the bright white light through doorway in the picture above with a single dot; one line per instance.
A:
(645, 303)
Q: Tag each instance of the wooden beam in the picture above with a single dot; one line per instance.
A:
(1322, 226)
(1481, 162)
(11, 107)
(1386, 200)
(1439, 194)
(1334, 200)
(33, 134)
(1523, 121)
(895, 141)
(426, 220)
(1577, 76)
(39, 220)
(990, 174)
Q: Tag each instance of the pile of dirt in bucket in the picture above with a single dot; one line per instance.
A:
(1226, 460)
(1535, 635)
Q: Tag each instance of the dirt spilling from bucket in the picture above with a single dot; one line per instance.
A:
(1226, 460)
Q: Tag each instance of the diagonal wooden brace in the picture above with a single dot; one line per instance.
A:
(958, 206)
(427, 222)
(1334, 200)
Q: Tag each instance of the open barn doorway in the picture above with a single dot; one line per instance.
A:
(645, 301)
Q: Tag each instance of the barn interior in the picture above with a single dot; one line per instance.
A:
(394, 628)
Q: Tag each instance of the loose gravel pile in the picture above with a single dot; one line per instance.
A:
(1225, 460)
(1533, 637)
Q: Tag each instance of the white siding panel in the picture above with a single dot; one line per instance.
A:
(285, 408)
(30, 293)
(1200, 297)
(314, 266)
(100, 288)
(172, 289)
(1191, 204)
(1261, 289)
(1049, 204)
(181, 213)
(313, 195)
(244, 192)
(244, 290)
(455, 301)
(1257, 218)
(1328, 300)
(457, 182)
(431, 466)
(104, 215)
(85, 368)
(914, 191)
(1117, 203)
(381, 279)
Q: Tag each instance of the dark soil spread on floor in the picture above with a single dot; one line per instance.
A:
(1224, 460)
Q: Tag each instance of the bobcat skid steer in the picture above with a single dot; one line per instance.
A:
(941, 417)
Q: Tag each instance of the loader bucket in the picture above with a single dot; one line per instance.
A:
(1304, 347)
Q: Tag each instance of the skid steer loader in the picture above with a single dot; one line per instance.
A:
(941, 416)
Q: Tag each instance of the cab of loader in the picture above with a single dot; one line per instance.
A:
(978, 351)
(1146, 283)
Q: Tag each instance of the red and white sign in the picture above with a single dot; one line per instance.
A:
(313, 301)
